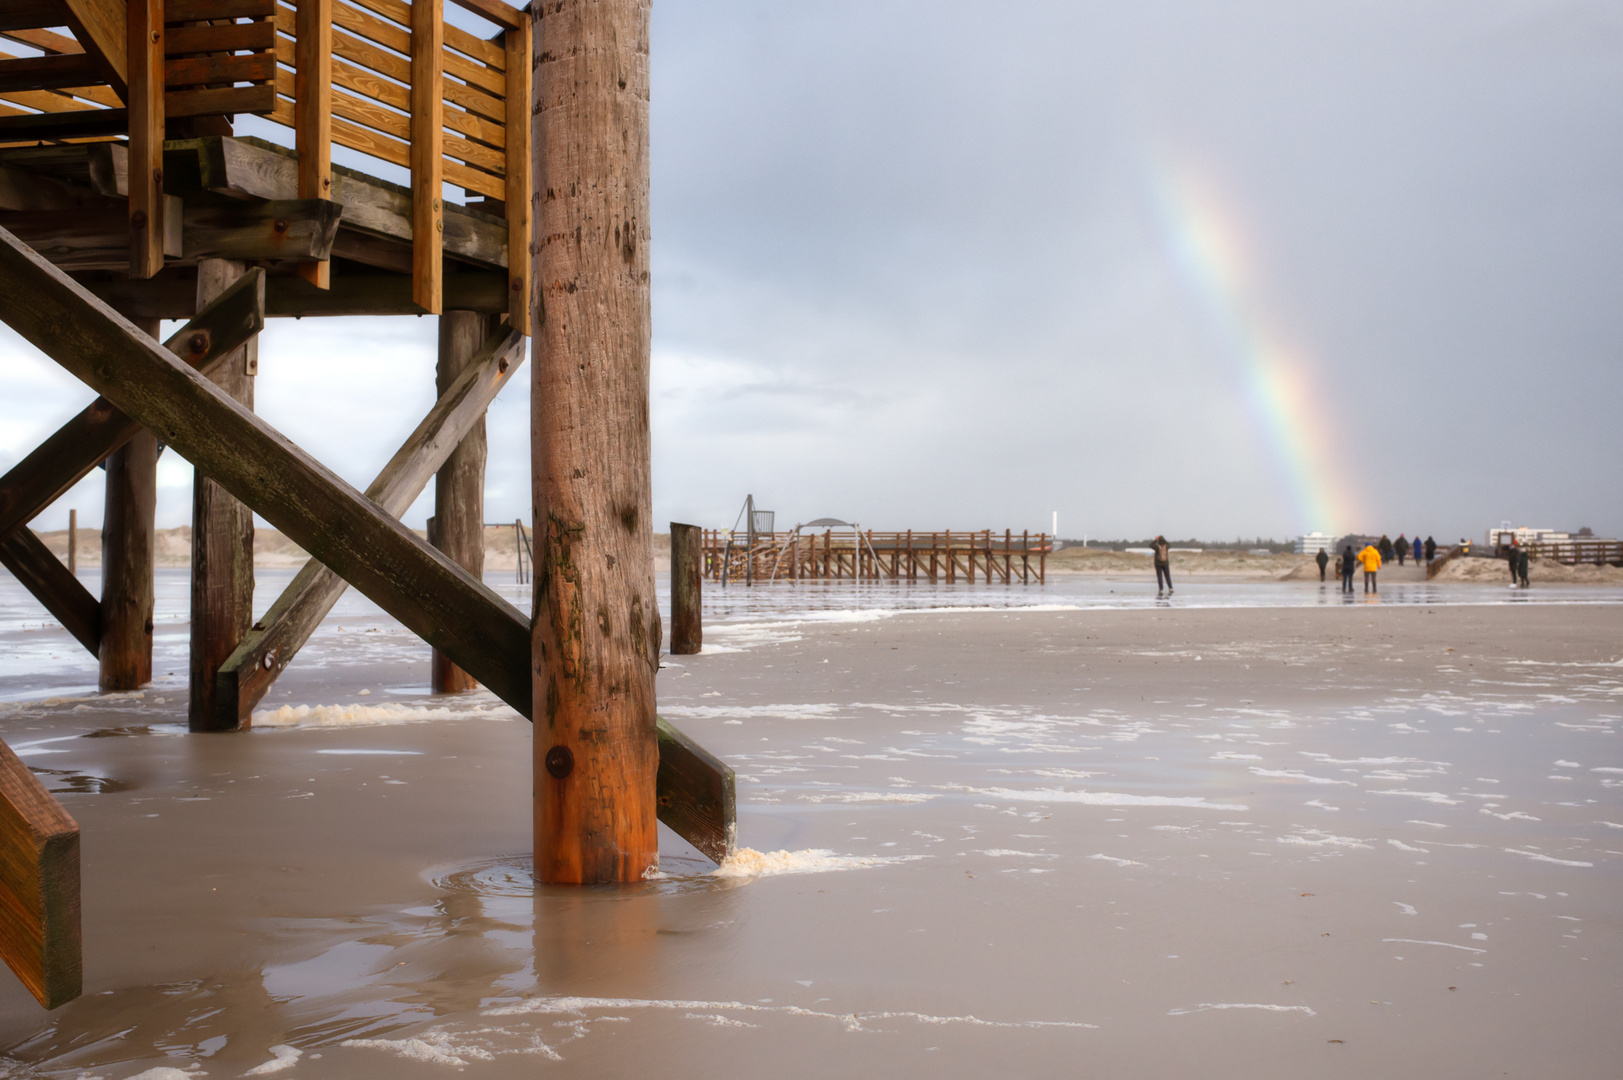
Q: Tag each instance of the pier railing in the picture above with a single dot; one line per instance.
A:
(388, 79)
(1573, 552)
(848, 555)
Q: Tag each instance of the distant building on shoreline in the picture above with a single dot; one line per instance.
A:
(1314, 542)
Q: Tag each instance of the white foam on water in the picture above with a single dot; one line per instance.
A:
(1113, 859)
(282, 1057)
(1209, 1006)
(704, 1010)
(1097, 798)
(1536, 857)
(1444, 944)
(341, 716)
(1001, 853)
(1432, 824)
(868, 797)
(1320, 838)
(1401, 846)
(1429, 796)
(751, 712)
(167, 1072)
(749, 863)
(1407, 909)
(1297, 774)
(1321, 805)
(378, 753)
(439, 1052)
(1230, 755)
(1605, 769)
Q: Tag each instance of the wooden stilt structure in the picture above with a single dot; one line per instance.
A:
(458, 525)
(876, 556)
(125, 199)
(597, 626)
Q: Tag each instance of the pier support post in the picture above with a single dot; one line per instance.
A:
(687, 623)
(458, 528)
(596, 627)
(128, 540)
(222, 538)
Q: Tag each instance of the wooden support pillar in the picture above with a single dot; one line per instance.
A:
(222, 536)
(517, 43)
(596, 628)
(73, 542)
(458, 527)
(39, 886)
(687, 616)
(145, 58)
(128, 542)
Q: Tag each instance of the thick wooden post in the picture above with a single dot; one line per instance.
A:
(128, 540)
(596, 627)
(222, 537)
(427, 166)
(687, 623)
(73, 542)
(459, 486)
(312, 115)
(145, 60)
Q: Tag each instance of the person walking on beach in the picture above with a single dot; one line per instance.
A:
(1513, 556)
(1323, 559)
(1431, 549)
(1371, 558)
(1418, 547)
(1163, 565)
(1385, 548)
(1344, 566)
(1401, 546)
(1522, 560)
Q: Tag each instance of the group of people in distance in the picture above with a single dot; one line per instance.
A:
(1373, 555)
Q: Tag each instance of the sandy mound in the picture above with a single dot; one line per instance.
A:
(1232, 564)
(1539, 571)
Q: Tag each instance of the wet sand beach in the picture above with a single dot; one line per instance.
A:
(1337, 839)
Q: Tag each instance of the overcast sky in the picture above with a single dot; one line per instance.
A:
(1193, 268)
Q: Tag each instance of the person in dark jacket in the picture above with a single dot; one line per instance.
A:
(1323, 559)
(1401, 546)
(1163, 564)
(1513, 555)
(1385, 548)
(1522, 559)
(1431, 549)
(1347, 568)
(1419, 548)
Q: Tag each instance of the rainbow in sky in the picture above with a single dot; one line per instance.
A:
(1209, 246)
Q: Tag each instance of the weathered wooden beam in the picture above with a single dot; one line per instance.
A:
(222, 531)
(248, 168)
(427, 151)
(145, 99)
(312, 114)
(458, 525)
(28, 14)
(696, 793)
(687, 607)
(517, 42)
(77, 124)
(101, 27)
(49, 72)
(23, 190)
(96, 238)
(53, 585)
(597, 626)
(276, 638)
(428, 593)
(171, 297)
(39, 886)
(293, 229)
(73, 450)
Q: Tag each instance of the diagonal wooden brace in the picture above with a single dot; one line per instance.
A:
(431, 595)
(53, 585)
(276, 638)
(84, 442)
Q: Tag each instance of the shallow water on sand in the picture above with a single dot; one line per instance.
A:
(1017, 843)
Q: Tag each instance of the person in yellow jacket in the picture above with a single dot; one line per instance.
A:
(1371, 558)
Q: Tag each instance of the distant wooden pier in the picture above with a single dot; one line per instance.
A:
(865, 555)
